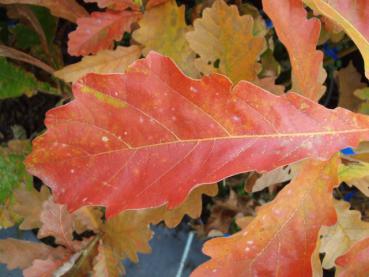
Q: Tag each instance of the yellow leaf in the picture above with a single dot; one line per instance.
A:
(163, 29)
(226, 43)
(339, 238)
(106, 61)
(352, 16)
(356, 174)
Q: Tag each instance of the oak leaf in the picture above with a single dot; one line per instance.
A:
(196, 131)
(67, 9)
(300, 36)
(128, 233)
(192, 207)
(337, 239)
(106, 61)
(163, 29)
(226, 44)
(99, 31)
(355, 262)
(42, 268)
(153, 3)
(356, 174)
(18, 253)
(106, 263)
(87, 218)
(281, 239)
(349, 80)
(57, 222)
(352, 16)
(276, 176)
(28, 205)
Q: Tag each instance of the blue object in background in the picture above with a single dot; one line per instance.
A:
(331, 51)
(348, 196)
(348, 151)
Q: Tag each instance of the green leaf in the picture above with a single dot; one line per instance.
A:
(12, 169)
(25, 37)
(47, 21)
(14, 81)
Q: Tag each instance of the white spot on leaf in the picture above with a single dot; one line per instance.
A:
(193, 89)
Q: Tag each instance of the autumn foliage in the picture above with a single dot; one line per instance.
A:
(166, 101)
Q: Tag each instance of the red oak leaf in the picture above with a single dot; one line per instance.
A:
(150, 136)
(300, 36)
(152, 3)
(99, 31)
(356, 261)
(283, 236)
(352, 16)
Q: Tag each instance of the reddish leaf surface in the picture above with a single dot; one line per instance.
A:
(118, 5)
(356, 261)
(300, 36)
(99, 30)
(352, 16)
(57, 222)
(283, 236)
(68, 9)
(42, 268)
(18, 253)
(152, 3)
(150, 136)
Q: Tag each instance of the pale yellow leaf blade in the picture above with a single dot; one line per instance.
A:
(106, 61)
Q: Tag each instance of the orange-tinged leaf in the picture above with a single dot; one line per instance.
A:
(67, 9)
(349, 80)
(106, 61)
(117, 5)
(281, 239)
(87, 218)
(152, 3)
(223, 35)
(20, 254)
(163, 29)
(42, 268)
(127, 234)
(337, 239)
(300, 36)
(106, 263)
(99, 31)
(28, 205)
(192, 206)
(57, 222)
(155, 134)
(352, 16)
(355, 262)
